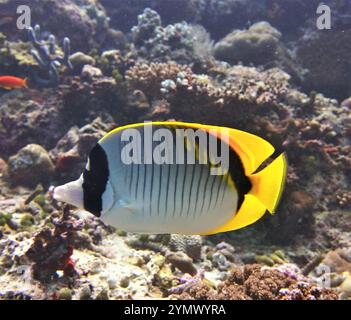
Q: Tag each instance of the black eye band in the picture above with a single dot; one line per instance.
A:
(95, 180)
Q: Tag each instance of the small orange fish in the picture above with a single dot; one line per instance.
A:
(6, 20)
(10, 82)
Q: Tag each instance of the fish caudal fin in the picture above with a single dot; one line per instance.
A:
(268, 184)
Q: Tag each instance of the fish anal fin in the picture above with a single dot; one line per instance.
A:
(268, 184)
(250, 211)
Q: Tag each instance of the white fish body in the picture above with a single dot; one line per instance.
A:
(167, 198)
(178, 196)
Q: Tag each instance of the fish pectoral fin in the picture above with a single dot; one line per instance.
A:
(128, 206)
(250, 211)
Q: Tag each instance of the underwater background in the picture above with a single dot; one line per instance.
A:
(262, 66)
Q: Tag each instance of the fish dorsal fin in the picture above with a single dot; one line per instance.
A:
(251, 149)
(250, 211)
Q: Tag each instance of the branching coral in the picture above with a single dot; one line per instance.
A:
(149, 77)
(244, 89)
(45, 53)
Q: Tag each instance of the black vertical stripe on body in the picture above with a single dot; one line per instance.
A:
(198, 189)
(191, 188)
(131, 178)
(126, 172)
(224, 185)
(212, 192)
(138, 170)
(151, 188)
(159, 191)
(219, 179)
(167, 189)
(95, 180)
(175, 189)
(144, 186)
(205, 190)
(137, 182)
(183, 189)
(185, 174)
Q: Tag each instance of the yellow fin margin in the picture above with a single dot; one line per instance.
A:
(251, 210)
(268, 184)
(251, 149)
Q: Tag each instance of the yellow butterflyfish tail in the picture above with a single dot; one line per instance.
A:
(268, 184)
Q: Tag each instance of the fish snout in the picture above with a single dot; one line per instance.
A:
(71, 193)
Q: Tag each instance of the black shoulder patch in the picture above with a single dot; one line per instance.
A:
(95, 180)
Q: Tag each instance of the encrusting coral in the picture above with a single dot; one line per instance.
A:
(257, 283)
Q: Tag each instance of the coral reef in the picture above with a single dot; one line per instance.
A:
(26, 116)
(259, 44)
(179, 42)
(257, 283)
(45, 54)
(326, 75)
(83, 21)
(275, 75)
(30, 166)
(149, 78)
(52, 249)
(71, 150)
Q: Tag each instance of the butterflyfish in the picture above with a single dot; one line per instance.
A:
(176, 177)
